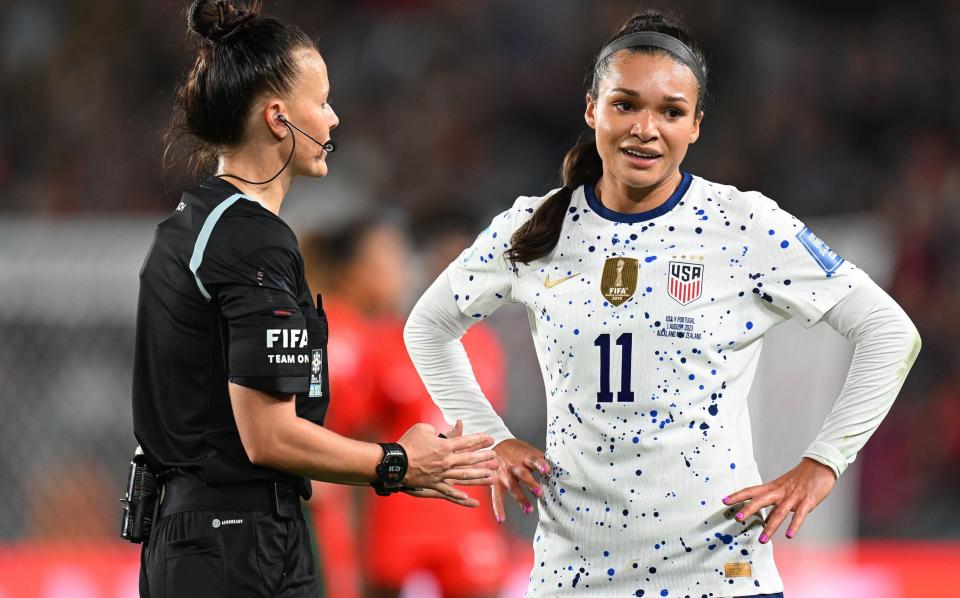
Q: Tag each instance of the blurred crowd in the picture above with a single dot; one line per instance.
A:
(459, 106)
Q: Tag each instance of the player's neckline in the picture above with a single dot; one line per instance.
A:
(604, 212)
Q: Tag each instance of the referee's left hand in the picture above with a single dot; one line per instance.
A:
(799, 490)
(455, 432)
(438, 463)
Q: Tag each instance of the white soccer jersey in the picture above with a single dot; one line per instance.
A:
(648, 328)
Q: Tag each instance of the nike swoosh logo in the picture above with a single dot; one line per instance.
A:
(552, 283)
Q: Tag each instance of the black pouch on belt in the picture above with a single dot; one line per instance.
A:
(141, 501)
(285, 501)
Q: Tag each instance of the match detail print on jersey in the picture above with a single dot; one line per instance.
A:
(619, 280)
(685, 282)
(552, 283)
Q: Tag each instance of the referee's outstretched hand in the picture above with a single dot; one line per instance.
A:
(518, 461)
(435, 464)
(799, 490)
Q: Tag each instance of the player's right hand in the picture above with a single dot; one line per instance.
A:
(518, 460)
(434, 464)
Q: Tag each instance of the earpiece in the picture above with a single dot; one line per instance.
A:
(329, 146)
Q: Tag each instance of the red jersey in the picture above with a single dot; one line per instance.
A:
(376, 394)
(463, 547)
(351, 391)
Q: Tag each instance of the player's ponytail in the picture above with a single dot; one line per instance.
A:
(582, 165)
(538, 236)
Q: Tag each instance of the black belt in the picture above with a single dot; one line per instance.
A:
(185, 493)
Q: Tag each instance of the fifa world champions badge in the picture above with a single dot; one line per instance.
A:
(619, 280)
(316, 374)
(685, 282)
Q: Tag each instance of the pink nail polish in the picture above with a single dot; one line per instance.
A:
(791, 533)
(537, 492)
(739, 516)
(726, 500)
(763, 538)
(500, 519)
(543, 469)
(527, 509)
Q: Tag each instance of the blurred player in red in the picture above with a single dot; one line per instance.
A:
(332, 506)
(368, 284)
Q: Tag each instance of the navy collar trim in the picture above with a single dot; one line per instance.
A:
(685, 179)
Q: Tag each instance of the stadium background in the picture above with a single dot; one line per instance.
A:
(845, 113)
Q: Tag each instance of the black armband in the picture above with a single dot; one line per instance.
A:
(271, 352)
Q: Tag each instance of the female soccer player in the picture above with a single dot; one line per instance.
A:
(649, 291)
(230, 377)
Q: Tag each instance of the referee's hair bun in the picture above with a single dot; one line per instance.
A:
(216, 19)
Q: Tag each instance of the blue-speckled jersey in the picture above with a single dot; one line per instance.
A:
(648, 328)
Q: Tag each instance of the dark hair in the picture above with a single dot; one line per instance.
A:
(240, 56)
(659, 22)
(343, 245)
(582, 165)
(327, 251)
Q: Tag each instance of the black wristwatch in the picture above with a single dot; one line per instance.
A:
(391, 470)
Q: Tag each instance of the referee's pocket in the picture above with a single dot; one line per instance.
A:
(195, 568)
(271, 550)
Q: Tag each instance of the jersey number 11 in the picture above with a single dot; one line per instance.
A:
(625, 342)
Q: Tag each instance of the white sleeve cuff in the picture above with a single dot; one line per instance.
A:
(823, 453)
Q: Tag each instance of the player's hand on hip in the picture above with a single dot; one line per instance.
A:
(799, 491)
(435, 463)
(518, 460)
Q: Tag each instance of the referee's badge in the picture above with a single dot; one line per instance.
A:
(619, 280)
(685, 282)
(316, 371)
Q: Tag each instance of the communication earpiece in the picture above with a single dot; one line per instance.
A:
(329, 146)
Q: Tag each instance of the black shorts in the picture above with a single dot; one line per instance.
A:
(236, 554)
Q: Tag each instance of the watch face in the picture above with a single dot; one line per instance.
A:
(393, 468)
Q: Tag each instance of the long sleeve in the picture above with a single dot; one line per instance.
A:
(432, 335)
(886, 345)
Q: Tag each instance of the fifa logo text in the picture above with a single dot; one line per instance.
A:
(289, 338)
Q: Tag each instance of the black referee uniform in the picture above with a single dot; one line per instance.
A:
(223, 298)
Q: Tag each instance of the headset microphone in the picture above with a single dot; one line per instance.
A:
(329, 146)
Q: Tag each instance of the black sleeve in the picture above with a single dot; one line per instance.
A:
(251, 268)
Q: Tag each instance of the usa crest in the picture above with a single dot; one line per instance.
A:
(685, 282)
(619, 280)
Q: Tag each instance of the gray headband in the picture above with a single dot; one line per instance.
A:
(657, 40)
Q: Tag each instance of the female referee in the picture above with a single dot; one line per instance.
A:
(230, 378)
(649, 291)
